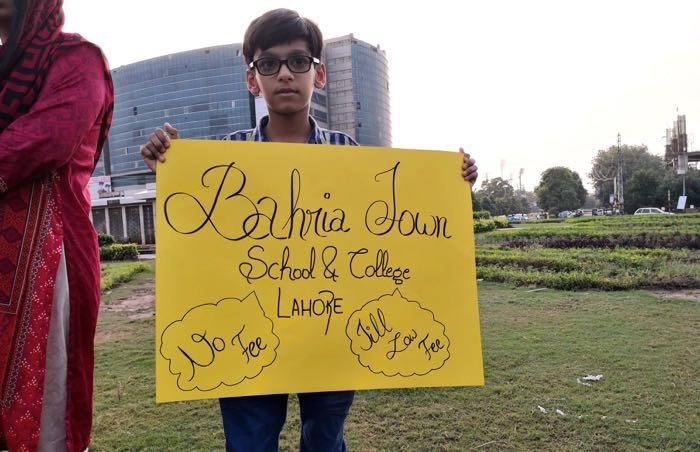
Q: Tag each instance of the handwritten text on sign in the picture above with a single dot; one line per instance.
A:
(296, 268)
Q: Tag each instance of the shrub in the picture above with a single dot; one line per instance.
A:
(482, 215)
(484, 225)
(501, 222)
(119, 252)
(105, 239)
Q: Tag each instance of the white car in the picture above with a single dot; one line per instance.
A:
(650, 211)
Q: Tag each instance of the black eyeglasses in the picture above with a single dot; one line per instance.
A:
(298, 64)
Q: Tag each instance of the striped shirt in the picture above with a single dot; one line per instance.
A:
(318, 134)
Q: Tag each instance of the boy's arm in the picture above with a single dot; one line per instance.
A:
(469, 168)
(158, 142)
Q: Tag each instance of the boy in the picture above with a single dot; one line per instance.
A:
(283, 53)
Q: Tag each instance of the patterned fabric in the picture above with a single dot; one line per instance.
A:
(25, 208)
(318, 134)
(51, 134)
(22, 222)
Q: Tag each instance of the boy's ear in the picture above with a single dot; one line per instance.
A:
(252, 83)
(320, 77)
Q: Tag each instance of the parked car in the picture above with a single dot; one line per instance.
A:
(650, 211)
(517, 217)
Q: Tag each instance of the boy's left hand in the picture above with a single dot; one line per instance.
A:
(468, 167)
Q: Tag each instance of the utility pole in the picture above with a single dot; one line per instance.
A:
(682, 149)
(520, 179)
(619, 186)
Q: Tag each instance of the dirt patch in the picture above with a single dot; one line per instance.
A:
(103, 335)
(139, 304)
(682, 294)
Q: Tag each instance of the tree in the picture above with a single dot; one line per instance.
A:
(560, 189)
(499, 197)
(591, 202)
(529, 198)
(634, 158)
(477, 203)
(673, 183)
(645, 189)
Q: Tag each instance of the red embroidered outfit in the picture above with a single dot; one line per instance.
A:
(56, 100)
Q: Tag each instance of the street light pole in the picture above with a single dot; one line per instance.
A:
(620, 183)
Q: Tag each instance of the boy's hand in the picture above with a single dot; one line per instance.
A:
(158, 143)
(468, 167)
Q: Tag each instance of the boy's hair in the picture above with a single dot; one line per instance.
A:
(281, 26)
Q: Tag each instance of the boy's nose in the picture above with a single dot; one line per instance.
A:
(285, 73)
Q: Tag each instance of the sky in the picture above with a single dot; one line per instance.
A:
(519, 84)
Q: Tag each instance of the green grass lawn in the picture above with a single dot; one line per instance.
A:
(536, 344)
(115, 273)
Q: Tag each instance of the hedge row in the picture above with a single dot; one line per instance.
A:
(487, 225)
(578, 280)
(482, 215)
(119, 252)
(577, 239)
(610, 253)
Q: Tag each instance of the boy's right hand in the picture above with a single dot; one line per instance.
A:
(158, 143)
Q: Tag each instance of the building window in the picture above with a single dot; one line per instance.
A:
(136, 111)
(98, 220)
(199, 107)
(133, 224)
(116, 224)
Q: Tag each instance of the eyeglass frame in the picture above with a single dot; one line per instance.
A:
(313, 60)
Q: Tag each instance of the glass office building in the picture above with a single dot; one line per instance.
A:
(358, 90)
(202, 92)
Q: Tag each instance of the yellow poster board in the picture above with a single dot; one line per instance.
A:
(286, 268)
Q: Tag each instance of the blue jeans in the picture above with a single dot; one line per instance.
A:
(253, 424)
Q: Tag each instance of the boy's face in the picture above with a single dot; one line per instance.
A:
(286, 92)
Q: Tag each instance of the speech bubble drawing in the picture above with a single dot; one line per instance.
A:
(221, 343)
(396, 336)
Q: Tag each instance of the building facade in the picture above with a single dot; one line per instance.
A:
(358, 90)
(202, 92)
